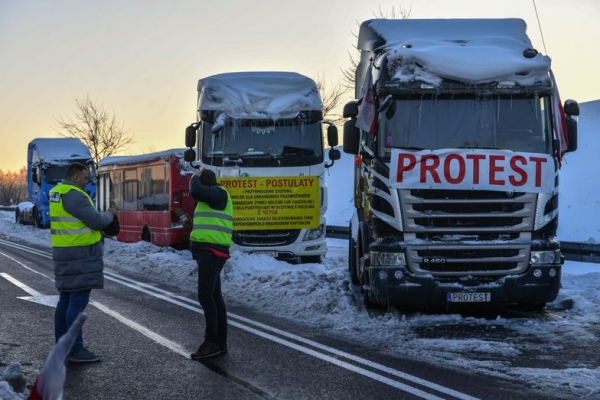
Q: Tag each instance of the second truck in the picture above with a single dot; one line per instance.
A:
(262, 135)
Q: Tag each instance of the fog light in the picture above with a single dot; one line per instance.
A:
(398, 275)
(552, 272)
(382, 275)
(537, 273)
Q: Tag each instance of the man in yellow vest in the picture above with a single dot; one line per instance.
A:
(210, 240)
(77, 250)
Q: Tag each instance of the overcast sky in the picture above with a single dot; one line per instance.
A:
(142, 59)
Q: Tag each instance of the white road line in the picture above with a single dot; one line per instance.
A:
(180, 301)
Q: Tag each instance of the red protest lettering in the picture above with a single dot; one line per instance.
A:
(430, 168)
(476, 158)
(402, 167)
(461, 168)
(495, 168)
(538, 169)
(518, 170)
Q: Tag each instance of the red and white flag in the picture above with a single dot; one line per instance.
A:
(560, 120)
(367, 110)
(49, 383)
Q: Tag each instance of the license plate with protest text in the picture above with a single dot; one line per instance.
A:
(469, 297)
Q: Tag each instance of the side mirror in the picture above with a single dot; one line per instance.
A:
(571, 108)
(190, 135)
(351, 137)
(350, 110)
(34, 176)
(332, 135)
(189, 155)
(334, 154)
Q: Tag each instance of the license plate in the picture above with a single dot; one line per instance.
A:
(469, 297)
(271, 253)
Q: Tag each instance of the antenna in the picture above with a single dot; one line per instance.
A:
(540, 26)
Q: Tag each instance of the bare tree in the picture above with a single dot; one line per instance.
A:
(348, 74)
(98, 130)
(331, 98)
(13, 186)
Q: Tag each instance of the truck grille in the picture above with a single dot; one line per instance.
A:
(265, 238)
(459, 223)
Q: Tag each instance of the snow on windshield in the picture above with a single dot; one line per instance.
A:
(473, 51)
(258, 94)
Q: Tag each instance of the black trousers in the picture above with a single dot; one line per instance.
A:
(210, 296)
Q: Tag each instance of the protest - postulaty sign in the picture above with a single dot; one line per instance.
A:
(288, 202)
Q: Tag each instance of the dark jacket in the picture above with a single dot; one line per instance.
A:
(80, 267)
(216, 198)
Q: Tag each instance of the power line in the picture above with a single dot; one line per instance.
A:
(540, 27)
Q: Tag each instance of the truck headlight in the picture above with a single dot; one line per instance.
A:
(314, 234)
(545, 257)
(382, 258)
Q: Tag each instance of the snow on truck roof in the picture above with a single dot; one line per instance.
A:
(472, 51)
(60, 150)
(139, 158)
(258, 94)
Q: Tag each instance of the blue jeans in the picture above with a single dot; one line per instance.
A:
(70, 305)
(211, 298)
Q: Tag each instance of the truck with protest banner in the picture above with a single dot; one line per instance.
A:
(262, 135)
(458, 133)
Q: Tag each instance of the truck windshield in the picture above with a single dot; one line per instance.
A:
(255, 140)
(518, 124)
(55, 174)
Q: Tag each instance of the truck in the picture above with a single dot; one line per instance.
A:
(458, 133)
(47, 163)
(262, 133)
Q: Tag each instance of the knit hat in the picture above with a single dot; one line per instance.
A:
(113, 228)
(208, 178)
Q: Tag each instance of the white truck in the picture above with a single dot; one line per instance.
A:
(458, 133)
(262, 135)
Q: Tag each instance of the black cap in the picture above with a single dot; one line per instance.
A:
(113, 228)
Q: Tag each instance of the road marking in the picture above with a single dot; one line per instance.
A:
(181, 301)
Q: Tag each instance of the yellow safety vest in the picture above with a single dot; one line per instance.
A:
(65, 229)
(213, 226)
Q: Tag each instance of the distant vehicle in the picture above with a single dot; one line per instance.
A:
(457, 153)
(262, 135)
(47, 163)
(151, 193)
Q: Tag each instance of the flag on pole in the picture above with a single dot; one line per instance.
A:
(367, 110)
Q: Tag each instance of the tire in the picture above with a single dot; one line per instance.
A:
(146, 236)
(311, 260)
(352, 259)
(36, 219)
(17, 217)
(533, 307)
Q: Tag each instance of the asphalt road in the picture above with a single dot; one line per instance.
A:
(144, 334)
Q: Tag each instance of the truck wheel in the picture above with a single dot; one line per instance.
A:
(146, 236)
(17, 217)
(533, 307)
(352, 260)
(36, 219)
(311, 260)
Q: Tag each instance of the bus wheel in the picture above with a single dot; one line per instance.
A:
(146, 237)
